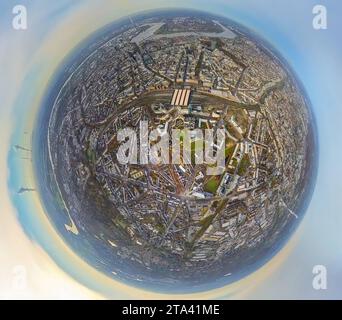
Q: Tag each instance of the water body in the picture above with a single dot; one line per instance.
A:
(150, 33)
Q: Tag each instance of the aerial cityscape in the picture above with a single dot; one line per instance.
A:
(176, 223)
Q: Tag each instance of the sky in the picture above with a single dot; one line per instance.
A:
(36, 263)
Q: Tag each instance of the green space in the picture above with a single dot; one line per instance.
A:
(212, 184)
(120, 221)
(91, 156)
(244, 164)
(229, 150)
(205, 224)
(158, 225)
(196, 146)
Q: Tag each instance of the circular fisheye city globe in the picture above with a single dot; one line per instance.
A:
(175, 151)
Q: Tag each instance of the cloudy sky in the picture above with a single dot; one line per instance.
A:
(34, 261)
